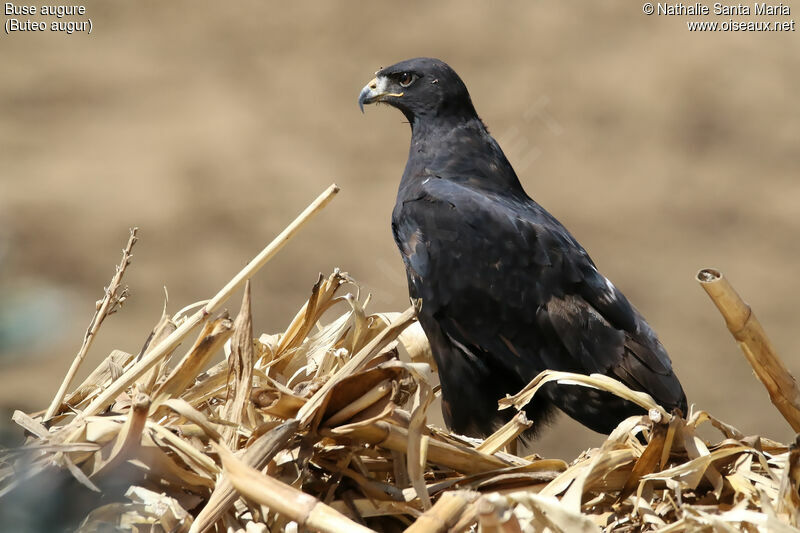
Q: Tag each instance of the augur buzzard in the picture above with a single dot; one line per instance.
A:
(506, 290)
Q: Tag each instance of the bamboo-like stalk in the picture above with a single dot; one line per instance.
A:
(444, 513)
(284, 499)
(166, 346)
(105, 307)
(256, 456)
(757, 348)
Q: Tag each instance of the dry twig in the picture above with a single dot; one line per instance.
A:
(112, 299)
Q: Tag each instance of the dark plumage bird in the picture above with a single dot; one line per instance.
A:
(506, 290)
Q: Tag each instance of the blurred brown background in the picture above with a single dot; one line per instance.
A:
(211, 125)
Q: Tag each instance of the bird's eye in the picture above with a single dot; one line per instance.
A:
(406, 79)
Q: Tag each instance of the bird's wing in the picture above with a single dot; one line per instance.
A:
(504, 279)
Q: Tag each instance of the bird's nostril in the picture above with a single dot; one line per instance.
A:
(373, 85)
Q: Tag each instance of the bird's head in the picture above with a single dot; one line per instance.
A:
(420, 88)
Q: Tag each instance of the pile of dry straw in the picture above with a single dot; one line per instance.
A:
(323, 427)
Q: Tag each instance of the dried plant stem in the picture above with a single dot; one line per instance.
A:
(110, 368)
(211, 338)
(105, 307)
(256, 456)
(240, 363)
(274, 247)
(136, 371)
(128, 439)
(312, 406)
(369, 398)
(445, 513)
(757, 348)
(361, 447)
(392, 437)
(507, 434)
(284, 499)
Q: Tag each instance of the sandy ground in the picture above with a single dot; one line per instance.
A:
(210, 125)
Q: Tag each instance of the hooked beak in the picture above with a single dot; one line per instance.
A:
(375, 91)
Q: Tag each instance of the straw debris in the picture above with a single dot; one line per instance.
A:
(323, 427)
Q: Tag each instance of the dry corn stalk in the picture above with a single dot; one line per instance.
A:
(757, 348)
(282, 498)
(324, 427)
